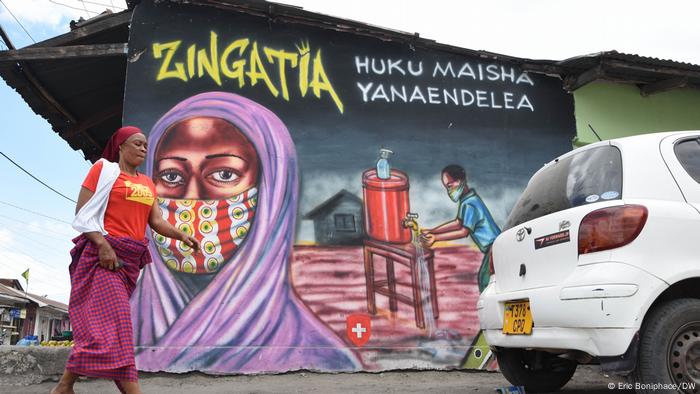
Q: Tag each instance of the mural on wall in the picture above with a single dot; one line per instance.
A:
(346, 191)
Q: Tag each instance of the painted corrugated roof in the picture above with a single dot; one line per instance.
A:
(331, 202)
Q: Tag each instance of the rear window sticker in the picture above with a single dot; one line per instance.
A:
(592, 198)
(609, 195)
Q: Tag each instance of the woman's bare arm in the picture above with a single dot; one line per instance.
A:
(83, 197)
(108, 258)
(162, 227)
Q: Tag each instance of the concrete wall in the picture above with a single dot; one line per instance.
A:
(308, 109)
(21, 365)
(619, 110)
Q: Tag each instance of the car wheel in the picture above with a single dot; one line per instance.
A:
(669, 348)
(537, 371)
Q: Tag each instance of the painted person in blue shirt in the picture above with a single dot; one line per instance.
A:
(473, 219)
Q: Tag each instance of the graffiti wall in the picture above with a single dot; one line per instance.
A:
(346, 190)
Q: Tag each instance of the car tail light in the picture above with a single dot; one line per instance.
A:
(492, 270)
(610, 228)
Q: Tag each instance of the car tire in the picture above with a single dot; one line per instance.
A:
(537, 371)
(670, 335)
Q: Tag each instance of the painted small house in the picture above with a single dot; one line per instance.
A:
(338, 220)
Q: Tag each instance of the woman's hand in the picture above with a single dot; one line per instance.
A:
(157, 223)
(108, 259)
(190, 241)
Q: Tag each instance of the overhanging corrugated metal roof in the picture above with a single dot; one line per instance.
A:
(79, 93)
(651, 74)
(44, 302)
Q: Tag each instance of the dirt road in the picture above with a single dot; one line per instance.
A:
(586, 380)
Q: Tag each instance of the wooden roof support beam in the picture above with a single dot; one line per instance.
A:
(48, 97)
(663, 86)
(6, 39)
(572, 83)
(58, 53)
(81, 127)
(109, 22)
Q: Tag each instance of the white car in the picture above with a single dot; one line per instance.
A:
(599, 263)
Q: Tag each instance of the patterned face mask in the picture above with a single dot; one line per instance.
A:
(220, 225)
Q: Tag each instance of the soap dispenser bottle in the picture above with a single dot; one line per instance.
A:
(383, 167)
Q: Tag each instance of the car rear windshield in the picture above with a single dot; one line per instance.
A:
(583, 178)
(688, 153)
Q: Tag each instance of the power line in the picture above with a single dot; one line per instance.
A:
(31, 244)
(23, 233)
(38, 261)
(85, 8)
(12, 263)
(52, 255)
(38, 280)
(88, 2)
(35, 213)
(68, 6)
(20, 23)
(37, 179)
(40, 231)
(32, 225)
(104, 5)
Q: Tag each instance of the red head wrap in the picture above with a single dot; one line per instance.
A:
(111, 151)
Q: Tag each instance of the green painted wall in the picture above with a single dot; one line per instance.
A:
(619, 110)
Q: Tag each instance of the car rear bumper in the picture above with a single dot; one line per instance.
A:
(594, 341)
(597, 310)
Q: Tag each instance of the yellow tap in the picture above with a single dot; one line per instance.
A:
(410, 222)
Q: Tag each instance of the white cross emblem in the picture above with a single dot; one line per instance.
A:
(358, 330)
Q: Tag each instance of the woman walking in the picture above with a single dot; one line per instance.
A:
(115, 204)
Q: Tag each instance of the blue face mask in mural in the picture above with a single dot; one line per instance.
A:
(456, 192)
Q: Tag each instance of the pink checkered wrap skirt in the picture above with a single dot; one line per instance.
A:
(99, 309)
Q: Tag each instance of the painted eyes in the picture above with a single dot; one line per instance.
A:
(172, 178)
(224, 176)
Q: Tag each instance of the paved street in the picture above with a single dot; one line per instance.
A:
(586, 380)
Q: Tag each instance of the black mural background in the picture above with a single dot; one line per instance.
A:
(500, 148)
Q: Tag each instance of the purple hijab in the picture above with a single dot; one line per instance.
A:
(248, 318)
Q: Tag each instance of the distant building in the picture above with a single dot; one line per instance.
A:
(13, 305)
(50, 317)
(23, 314)
(338, 220)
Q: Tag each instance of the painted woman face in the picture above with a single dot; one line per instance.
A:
(204, 158)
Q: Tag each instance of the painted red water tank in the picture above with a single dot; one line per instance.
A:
(386, 206)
